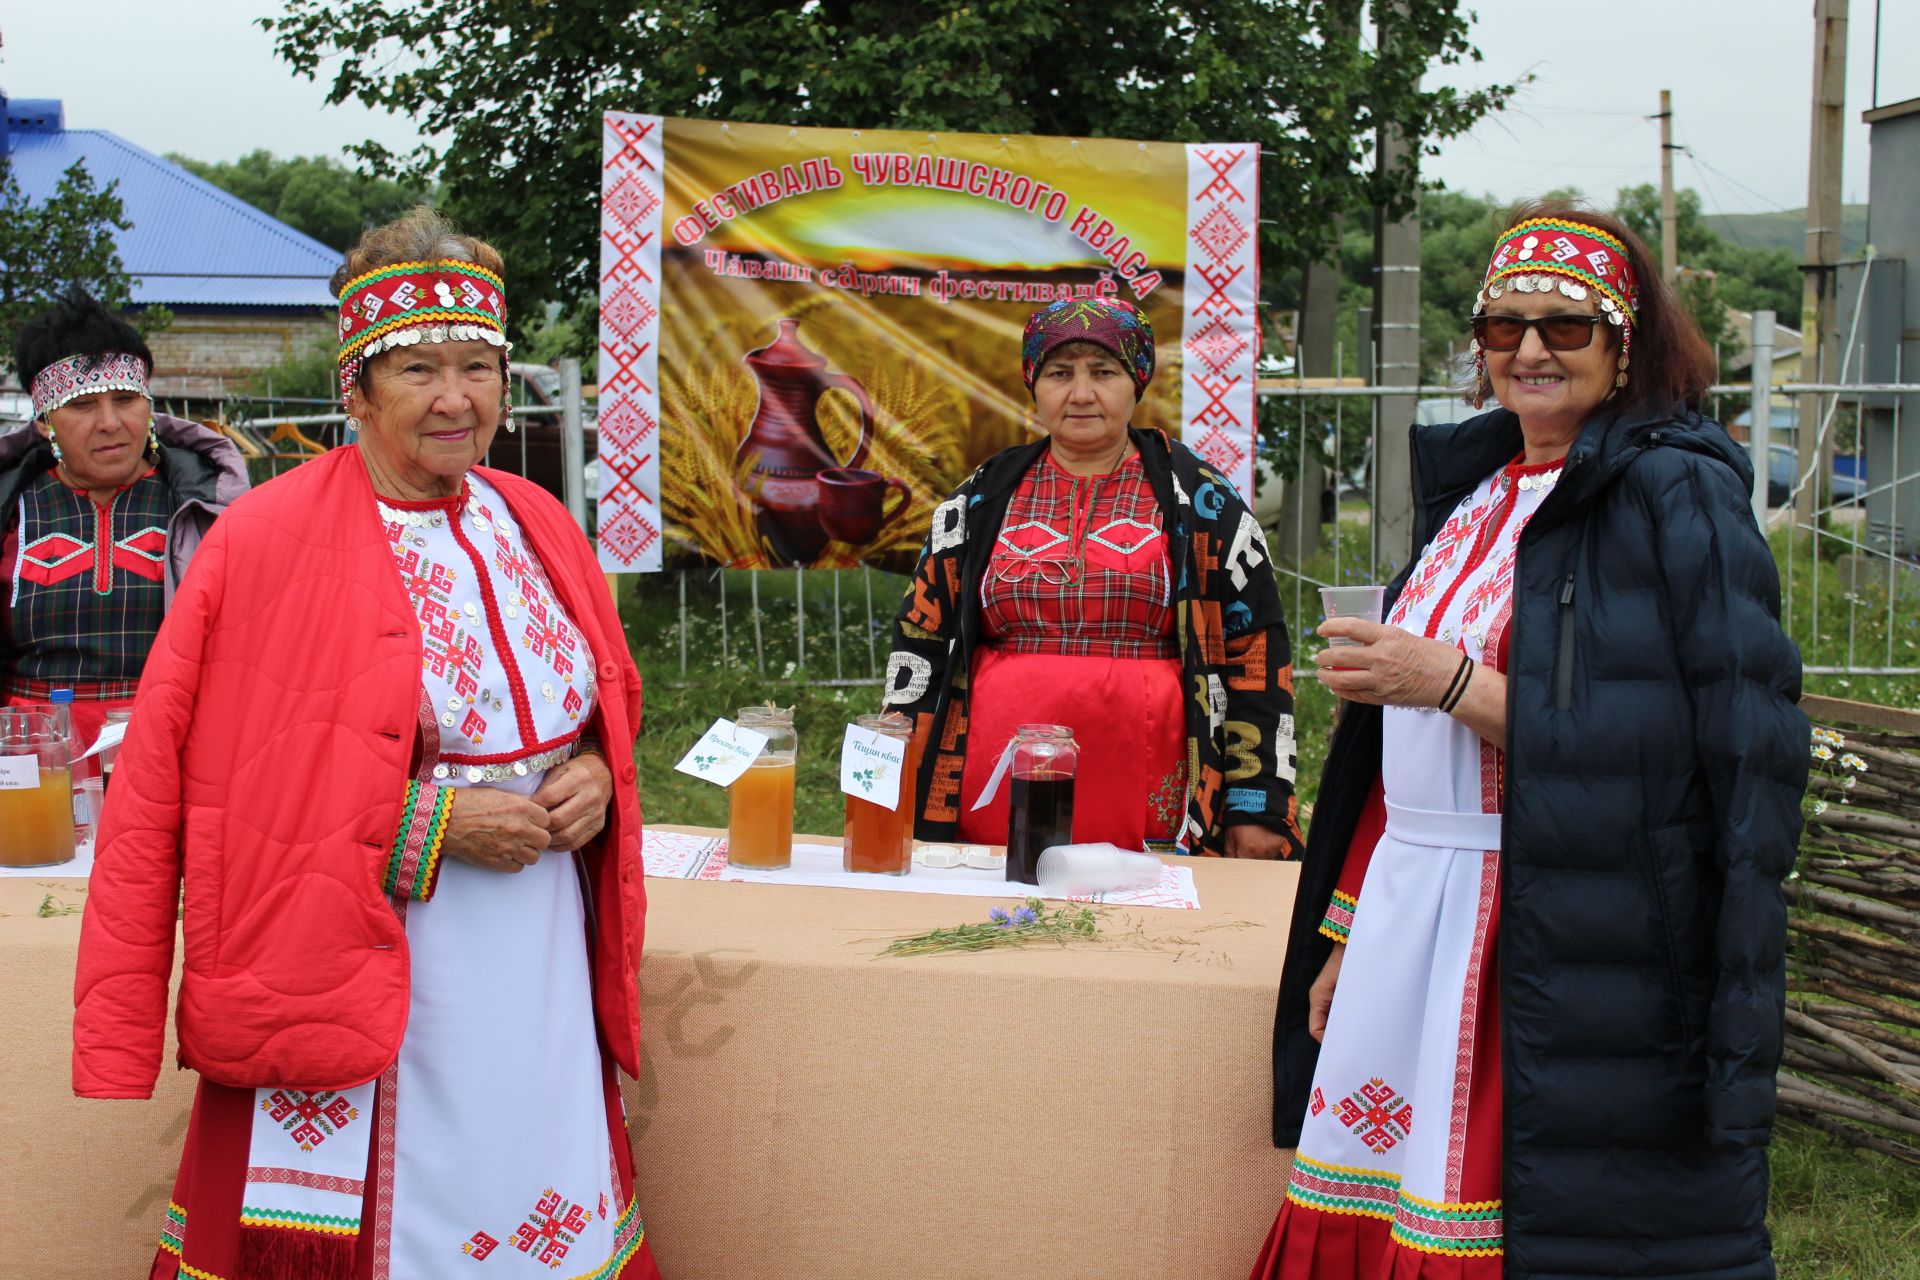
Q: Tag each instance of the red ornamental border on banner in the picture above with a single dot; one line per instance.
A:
(1220, 331)
(1220, 335)
(632, 182)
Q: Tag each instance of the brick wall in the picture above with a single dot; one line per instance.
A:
(200, 356)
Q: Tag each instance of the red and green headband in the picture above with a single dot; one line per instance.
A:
(414, 302)
(1543, 255)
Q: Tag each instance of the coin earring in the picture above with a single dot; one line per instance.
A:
(53, 441)
(506, 415)
(153, 435)
(1619, 378)
(353, 424)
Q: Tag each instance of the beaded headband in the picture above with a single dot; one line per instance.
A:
(76, 376)
(1545, 254)
(413, 302)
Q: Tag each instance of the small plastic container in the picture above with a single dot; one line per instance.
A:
(1075, 870)
(111, 755)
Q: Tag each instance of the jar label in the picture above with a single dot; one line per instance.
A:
(871, 766)
(723, 753)
(19, 773)
(992, 789)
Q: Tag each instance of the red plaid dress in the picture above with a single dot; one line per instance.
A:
(85, 594)
(1078, 610)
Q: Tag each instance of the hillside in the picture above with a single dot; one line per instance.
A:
(1786, 229)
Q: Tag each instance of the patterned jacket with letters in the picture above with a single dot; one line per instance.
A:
(1235, 655)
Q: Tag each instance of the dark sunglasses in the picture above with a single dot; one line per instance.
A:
(1560, 333)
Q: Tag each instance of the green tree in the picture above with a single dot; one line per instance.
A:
(1755, 279)
(314, 194)
(1639, 208)
(510, 95)
(1715, 274)
(66, 239)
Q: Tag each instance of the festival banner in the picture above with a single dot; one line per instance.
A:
(808, 337)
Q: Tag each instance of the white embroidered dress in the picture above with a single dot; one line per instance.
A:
(1403, 1123)
(494, 1126)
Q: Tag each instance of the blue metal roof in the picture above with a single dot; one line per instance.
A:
(191, 244)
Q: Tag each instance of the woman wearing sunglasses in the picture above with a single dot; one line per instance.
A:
(1105, 578)
(1532, 1005)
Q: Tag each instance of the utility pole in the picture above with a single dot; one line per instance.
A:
(1316, 354)
(1818, 271)
(1396, 304)
(1669, 220)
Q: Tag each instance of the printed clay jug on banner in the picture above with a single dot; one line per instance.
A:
(780, 461)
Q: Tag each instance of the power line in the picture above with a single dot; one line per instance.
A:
(1538, 109)
(1534, 163)
(1765, 201)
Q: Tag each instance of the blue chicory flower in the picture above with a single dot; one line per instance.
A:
(999, 916)
(1024, 915)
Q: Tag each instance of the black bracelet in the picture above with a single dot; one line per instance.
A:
(1454, 683)
(1453, 697)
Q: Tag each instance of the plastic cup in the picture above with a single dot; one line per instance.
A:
(1074, 870)
(1352, 602)
(88, 803)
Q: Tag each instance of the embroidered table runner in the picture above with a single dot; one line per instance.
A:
(682, 855)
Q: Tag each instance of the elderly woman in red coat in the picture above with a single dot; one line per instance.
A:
(385, 740)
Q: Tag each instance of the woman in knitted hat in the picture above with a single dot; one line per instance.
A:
(1105, 578)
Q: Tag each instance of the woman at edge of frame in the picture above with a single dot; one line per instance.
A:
(384, 752)
(1101, 576)
(98, 465)
(1533, 997)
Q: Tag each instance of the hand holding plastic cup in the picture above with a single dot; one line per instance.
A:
(1352, 602)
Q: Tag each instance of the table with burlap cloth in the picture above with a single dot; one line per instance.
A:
(805, 1108)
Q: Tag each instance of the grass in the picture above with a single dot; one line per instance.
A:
(1841, 1214)
(680, 707)
(1836, 1213)
(1837, 624)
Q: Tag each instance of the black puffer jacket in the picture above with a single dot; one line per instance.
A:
(1656, 760)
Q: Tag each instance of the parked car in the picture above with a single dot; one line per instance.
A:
(1783, 468)
(535, 450)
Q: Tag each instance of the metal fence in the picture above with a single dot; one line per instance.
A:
(1850, 573)
(272, 439)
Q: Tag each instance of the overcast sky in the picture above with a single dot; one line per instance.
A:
(198, 77)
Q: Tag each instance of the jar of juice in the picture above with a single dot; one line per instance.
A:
(36, 786)
(1040, 804)
(760, 802)
(878, 839)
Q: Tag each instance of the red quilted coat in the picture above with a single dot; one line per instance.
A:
(266, 767)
